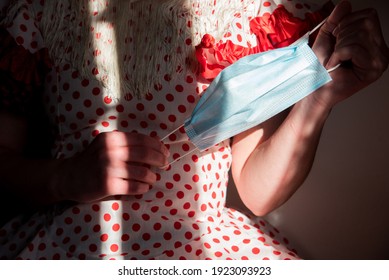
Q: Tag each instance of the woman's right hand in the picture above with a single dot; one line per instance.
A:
(116, 163)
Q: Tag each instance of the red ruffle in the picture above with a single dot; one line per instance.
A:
(21, 75)
(28, 68)
(275, 30)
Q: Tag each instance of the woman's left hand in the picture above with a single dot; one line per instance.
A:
(355, 40)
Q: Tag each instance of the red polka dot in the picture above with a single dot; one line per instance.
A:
(136, 227)
(177, 225)
(177, 177)
(107, 217)
(114, 247)
(104, 237)
(116, 227)
(93, 247)
(96, 228)
(157, 226)
(146, 236)
(188, 235)
(126, 216)
(267, 4)
(182, 109)
(235, 248)
(180, 194)
(85, 83)
(167, 236)
(20, 40)
(100, 111)
(96, 91)
(87, 103)
(179, 88)
(125, 237)
(140, 107)
(135, 206)
(107, 100)
(168, 203)
(196, 178)
(115, 206)
(255, 251)
(135, 247)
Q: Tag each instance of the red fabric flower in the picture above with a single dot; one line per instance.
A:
(214, 58)
(20, 63)
(21, 74)
(275, 30)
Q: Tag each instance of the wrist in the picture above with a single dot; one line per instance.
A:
(55, 184)
(309, 115)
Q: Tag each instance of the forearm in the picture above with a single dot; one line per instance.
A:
(275, 167)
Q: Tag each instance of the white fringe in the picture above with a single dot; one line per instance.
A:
(163, 21)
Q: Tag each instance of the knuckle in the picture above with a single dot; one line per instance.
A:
(363, 35)
(368, 25)
(380, 65)
(372, 13)
(136, 187)
(142, 173)
(143, 154)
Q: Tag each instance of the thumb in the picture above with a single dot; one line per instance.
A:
(324, 43)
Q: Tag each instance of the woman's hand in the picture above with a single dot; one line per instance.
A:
(116, 163)
(354, 39)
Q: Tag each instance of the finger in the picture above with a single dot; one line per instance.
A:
(368, 25)
(139, 173)
(341, 10)
(368, 18)
(122, 139)
(137, 154)
(119, 186)
(356, 37)
(142, 174)
(368, 55)
(364, 67)
(324, 43)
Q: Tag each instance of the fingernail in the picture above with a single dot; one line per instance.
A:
(335, 31)
(165, 151)
(165, 166)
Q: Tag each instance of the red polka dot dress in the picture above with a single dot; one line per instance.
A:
(183, 216)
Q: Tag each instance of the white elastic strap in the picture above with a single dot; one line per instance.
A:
(333, 68)
(317, 26)
(312, 31)
(174, 131)
(177, 159)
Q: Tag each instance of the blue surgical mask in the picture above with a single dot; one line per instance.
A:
(254, 89)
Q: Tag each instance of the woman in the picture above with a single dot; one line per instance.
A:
(112, 90)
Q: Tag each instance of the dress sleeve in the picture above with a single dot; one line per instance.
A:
(275, 28)
(24, 62)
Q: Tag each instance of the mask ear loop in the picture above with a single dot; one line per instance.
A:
(312, 31)
(184, 155)
(334, 68)
(170, 133)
